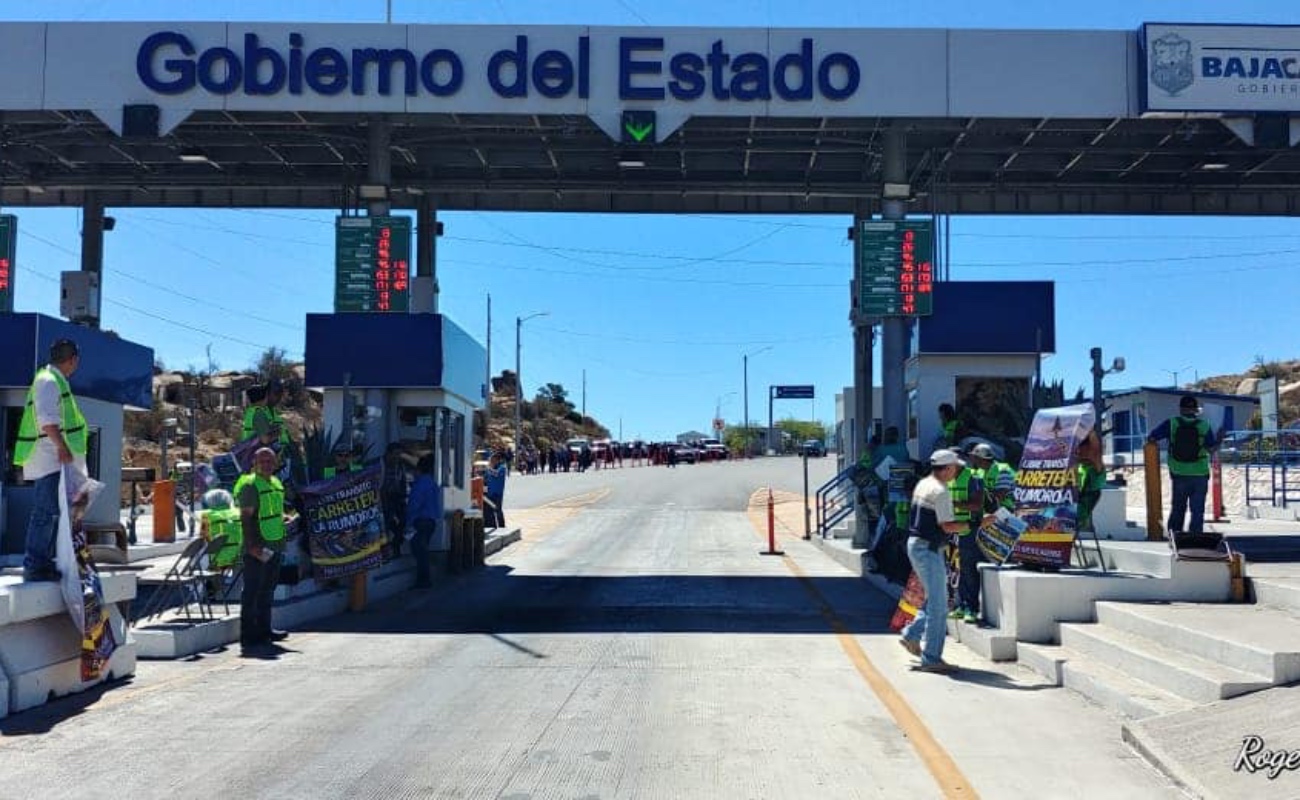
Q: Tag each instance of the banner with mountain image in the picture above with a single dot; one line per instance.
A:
(1046, 493)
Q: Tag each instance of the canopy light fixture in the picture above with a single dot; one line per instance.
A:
(373, 191)
(631, 162)
(193, 155)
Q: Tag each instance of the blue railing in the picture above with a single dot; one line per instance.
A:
(835, 499)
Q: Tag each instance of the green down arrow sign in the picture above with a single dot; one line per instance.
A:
(638, 126)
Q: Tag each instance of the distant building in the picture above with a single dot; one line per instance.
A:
(1134, 412)
(691, 436)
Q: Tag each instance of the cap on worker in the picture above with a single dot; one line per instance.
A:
(342, 448)
(982, 450)
(62, 350)
(1189, 401)
(944, 458)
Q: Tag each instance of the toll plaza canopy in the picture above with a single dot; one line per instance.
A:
(1168, 119)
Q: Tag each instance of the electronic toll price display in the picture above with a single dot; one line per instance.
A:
(372, 264)
(896, 268)
(8, 250)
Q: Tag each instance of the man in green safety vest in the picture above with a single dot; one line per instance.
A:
(52, 433)
(260, 496)
(262, 415)
(343, 462)
(1190, 442)
(967, 493)
(998, 478)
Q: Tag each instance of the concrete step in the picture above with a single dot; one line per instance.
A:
(1280, 593)
(1103, 684)
(1251, 638)
(991, 643)
(1120, 692)
(1176, 671)
(1045, 659)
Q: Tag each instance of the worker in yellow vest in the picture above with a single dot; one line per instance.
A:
(343, 462)
(262, 415)
(967, 492)
(260, 496)
(222, 519)
(52, 433)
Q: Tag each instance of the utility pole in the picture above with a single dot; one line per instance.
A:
(584, 395)
(487, 386)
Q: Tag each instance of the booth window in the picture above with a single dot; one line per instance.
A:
(9, 422)
(913, 423)
(13, 475)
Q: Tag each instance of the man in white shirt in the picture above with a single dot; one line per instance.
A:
(52, 433)
(932, 519)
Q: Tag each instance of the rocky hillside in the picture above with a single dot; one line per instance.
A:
(549, 418)
(1288, 380)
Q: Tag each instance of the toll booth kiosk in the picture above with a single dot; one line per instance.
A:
(413, 379)
(113, 374)
(979, 351)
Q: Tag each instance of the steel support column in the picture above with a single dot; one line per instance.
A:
(424, 287)
(379, 169)
(894, 330)
(92, 250)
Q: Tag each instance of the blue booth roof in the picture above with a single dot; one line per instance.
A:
(990, 317)
(395, 351)
(112, 369)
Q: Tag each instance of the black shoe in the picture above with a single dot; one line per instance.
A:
(279, 636)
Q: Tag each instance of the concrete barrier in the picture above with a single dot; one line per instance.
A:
(40, 650)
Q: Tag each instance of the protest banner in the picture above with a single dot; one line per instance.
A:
(997, 537)
(1047, 491)
(82, 592)
(913, 599)
(343, 520)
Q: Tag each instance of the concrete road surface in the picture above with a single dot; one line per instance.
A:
(635, 644)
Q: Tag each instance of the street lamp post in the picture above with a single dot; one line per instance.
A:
(1173, 373)
(746, 362)
(1098, 372)
(519, 380)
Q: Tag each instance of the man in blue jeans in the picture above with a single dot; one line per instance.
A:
(1190, 442)
(52, 433)
(494, 491)
(424, 515)
(932, 519)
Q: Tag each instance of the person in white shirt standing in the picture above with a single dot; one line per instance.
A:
(52, 433)
(932, 518)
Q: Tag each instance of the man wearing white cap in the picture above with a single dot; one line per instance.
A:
(932, 518)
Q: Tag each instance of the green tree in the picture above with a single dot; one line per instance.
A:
(274, 364)
(801, 431)
(555, 393)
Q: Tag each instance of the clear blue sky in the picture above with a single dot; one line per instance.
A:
(659, 310)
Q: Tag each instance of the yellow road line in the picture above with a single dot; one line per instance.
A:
(952, 782)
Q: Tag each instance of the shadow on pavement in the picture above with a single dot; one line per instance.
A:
(996, 680)
(1267, 549)
(43, 719)
(497, 601)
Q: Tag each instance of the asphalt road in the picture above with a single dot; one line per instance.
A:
(634, 644)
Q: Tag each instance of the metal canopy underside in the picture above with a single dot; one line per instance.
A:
(710, 164)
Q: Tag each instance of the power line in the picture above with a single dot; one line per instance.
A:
(150, 314)
(694, 343)
(207, 303)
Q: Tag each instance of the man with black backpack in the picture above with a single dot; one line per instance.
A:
(1190, 441)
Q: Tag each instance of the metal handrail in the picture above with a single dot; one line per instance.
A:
(835, 500)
